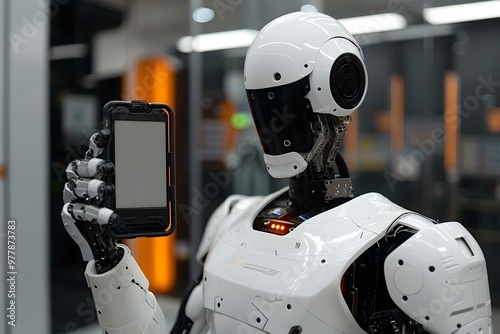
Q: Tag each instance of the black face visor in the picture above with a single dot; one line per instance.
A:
(283, 117)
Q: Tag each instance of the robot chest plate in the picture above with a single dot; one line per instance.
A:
(270, 280)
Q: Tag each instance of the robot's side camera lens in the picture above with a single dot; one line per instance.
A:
(277, 76)
(287, 143)
(270, 95)
(347, 81)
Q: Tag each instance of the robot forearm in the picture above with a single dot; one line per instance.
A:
(123, 303)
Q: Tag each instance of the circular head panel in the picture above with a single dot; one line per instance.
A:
(347, 81)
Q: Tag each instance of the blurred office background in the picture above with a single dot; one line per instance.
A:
(426, 137)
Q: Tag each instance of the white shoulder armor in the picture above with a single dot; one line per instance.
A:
(215, 225)
(438, 277)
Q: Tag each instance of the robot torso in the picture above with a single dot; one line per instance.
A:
(273, 270)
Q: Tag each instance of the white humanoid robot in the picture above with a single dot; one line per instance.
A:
(310, 258)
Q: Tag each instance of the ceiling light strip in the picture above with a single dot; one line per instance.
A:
(462, 13)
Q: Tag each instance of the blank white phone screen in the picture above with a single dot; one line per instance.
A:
(140, 164)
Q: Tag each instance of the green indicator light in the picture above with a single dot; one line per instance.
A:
(241, 120)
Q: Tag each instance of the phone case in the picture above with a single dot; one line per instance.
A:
(143, 221)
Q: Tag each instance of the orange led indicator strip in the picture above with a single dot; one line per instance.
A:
(3, 172)
(451, 125)
(278, 227)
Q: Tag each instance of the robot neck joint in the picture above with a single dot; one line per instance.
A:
(319, 194)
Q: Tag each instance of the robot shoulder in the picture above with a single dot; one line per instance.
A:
(438, 278)
(217, 222)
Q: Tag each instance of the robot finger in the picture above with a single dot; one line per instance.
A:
(90, 190)
(82, 224)
(92, 166)
(97, 142)
(91, 213)
(89, 168)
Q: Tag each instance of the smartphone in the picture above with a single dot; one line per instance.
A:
(142, 151)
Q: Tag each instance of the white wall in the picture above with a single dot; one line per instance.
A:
(25, 118)
(149, 28)
(2, 163)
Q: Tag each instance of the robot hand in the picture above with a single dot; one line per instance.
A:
(129, 307)
(83, 215)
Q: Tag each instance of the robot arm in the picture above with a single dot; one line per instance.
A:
(123, 303)
(120, 290)
(438, 278)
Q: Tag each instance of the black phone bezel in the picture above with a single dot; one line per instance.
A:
(150, 221)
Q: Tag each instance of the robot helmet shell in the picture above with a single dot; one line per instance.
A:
(301, 65)
(302, 44)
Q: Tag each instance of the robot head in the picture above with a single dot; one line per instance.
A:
(302, 70)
